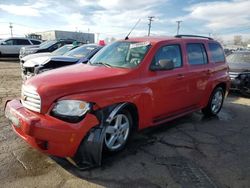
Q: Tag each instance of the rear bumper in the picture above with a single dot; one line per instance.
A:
(46, 133)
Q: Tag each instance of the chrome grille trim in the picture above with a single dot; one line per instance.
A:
(31, 99)
(233, 75)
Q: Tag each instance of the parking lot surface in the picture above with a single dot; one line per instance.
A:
(191, 151)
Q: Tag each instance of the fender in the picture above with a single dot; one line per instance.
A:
(141, 97)
(223, 79)
(89, 153)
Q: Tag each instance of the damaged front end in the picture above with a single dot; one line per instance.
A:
(241, 82)
(89, 153)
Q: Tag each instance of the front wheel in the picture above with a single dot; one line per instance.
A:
(215, 102)
(118, 131)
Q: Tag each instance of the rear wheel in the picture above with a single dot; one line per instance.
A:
(215, 102)
(118, 131)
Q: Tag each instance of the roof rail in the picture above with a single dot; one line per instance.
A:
(197, 36)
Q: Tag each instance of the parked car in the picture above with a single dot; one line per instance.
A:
(60, 51)
(79, 110)
(10, 47)
(38, 65)
(239, 71)
(48, 46)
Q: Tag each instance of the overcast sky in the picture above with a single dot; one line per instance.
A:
(114, 18)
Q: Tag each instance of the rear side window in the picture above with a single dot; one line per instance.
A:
(196, 54)
(217, 52)
(35, 42)
(169, 52)
(22, 42)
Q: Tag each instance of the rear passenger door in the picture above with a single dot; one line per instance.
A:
(199, 71)
(20, 43)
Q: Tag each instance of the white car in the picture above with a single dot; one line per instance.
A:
(12, 46)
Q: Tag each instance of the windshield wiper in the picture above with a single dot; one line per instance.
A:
(101, 63)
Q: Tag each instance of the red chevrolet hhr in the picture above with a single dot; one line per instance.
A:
(77, 111)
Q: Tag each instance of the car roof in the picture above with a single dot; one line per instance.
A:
(241, 52)
(34, 39)
(156, 39)
(15, 38)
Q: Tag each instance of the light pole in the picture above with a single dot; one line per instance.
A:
(11, 33)
(178, 26)
(150, 18)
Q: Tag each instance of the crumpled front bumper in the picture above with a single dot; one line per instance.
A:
(46, 133)
(239, 80)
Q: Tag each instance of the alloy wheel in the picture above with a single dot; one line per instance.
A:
(216, 101)
(117, 132)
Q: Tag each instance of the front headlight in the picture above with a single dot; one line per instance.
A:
(70, 110)
(31, 51)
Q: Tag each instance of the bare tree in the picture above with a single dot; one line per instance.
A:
(217, 37)
(237, 39)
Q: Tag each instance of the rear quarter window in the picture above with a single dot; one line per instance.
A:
(35, 42)
(217, 53)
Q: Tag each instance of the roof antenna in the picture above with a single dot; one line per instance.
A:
(126, 38)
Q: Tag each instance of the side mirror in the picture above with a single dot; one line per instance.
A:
(3, 43)
(163, 64)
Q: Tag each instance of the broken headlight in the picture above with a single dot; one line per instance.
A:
(70, 110)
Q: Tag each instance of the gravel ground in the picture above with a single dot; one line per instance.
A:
(191, 151)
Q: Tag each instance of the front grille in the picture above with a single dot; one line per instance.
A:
(233, 75)
(27, 70)
(31, 99)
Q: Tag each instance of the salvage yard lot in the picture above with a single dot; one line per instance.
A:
(192, 151)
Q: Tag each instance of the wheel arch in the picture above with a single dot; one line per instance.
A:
(110, 111)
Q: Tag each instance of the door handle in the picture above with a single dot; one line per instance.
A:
(180, 76)
(207, 72)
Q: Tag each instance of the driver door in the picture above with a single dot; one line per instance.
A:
(9, 47)
(170, 87)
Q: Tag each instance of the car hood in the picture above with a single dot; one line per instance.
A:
(45, 59)
(239, 67)
(79, 78)
(31, 56)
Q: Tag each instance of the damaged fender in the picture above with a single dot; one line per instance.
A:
(89, 153)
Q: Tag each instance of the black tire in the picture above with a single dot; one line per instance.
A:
(124, 113)
(210, 110)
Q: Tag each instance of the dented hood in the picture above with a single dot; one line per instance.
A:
(46, 59)
(31, 56)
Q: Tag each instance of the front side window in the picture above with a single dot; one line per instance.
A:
(196, 54)
(10, 42)
(124, 54)
(169, 53)
(217, 53)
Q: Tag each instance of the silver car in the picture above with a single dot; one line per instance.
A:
(10, 47)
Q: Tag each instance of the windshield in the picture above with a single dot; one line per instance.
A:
(122, 54)
(62, 50)
(239, 57)
(47, 44)
(82, 51)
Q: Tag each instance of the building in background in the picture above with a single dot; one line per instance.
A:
(57, 35)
